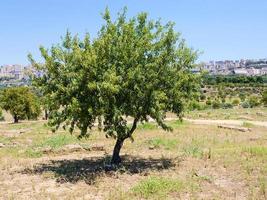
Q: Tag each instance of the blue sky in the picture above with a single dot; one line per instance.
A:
(222, 29)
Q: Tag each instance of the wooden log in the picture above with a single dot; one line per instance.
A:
(242, 129)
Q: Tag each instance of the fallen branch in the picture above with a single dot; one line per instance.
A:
(242, 129)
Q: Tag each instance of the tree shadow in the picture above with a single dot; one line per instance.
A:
(88, 170)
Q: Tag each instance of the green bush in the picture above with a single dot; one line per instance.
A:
(194, 105)
(157, 188)
(202, 97)
(226, 105)
(1, 115)
(245, 104)
(242, 96)
(236, 102)
(216, 104)
(253, 101)
(208, 102)
(264, 98)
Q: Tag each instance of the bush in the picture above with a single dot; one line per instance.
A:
(21, 102)
(245, 104)
(1, 115)
(226, 105)
(236, 102)
(264, 98)
(242, 96)
(253, 101)
(208, 102)
(202, 97)
(216, 104)
(194, 105)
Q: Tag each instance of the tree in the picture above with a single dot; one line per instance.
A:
(21, 103)
(135, 68)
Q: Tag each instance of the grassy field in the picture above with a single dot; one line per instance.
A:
(192, 162)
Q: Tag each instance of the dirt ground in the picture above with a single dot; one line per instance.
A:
(194, 161)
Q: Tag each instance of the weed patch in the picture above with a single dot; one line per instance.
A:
(157, 187)
(167, 144)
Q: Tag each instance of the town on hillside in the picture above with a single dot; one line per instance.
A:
(246, 67)
(19, 75)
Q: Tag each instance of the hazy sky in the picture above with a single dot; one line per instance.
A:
(222, 29)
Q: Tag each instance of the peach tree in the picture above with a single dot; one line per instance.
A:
(135, 69)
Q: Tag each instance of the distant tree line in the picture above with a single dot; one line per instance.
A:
(234, 79)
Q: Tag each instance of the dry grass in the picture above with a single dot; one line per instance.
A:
(192, 162)
(249, 114)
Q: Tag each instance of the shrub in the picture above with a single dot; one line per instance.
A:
(194, 105)
(245, 104)
(1, 115)
(226, 105)
(264, 98)
(208, 102)
(202, 97)
(236, 102)
(253, 101)
(242, 96)
(157, 187)
(216, 104)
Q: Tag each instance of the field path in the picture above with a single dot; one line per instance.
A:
(194, 121)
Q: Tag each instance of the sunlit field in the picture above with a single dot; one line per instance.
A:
(192, 162)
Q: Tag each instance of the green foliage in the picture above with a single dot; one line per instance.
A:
(245, 104)
(256, 150)
(226, 105)
(236, 102)
(235, 80)
(248, 124)
(216, 104)
(193, 150)
(253, 101)
(165, 143)
(21, 103)
(1, 115)
(264, 98)
(158, 187)
(58, 141)
(208, 102)
(195, 105)
(147, 126)
(135, 67)
(242, 96)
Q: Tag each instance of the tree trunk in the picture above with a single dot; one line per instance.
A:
(116, 159)
(46, 114)
(16, 119)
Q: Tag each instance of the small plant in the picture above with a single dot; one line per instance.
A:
(236, 102)
(194, 105)
(256, 150)
(1, 115)
(227, 105)
(264, 98)
(157, 187)
(165, 143)
(216, 104)
(193, 150)
(147, 126)
(58, 141)
(245, 104)
(33, 153)
(253, 101)
(247, 124)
